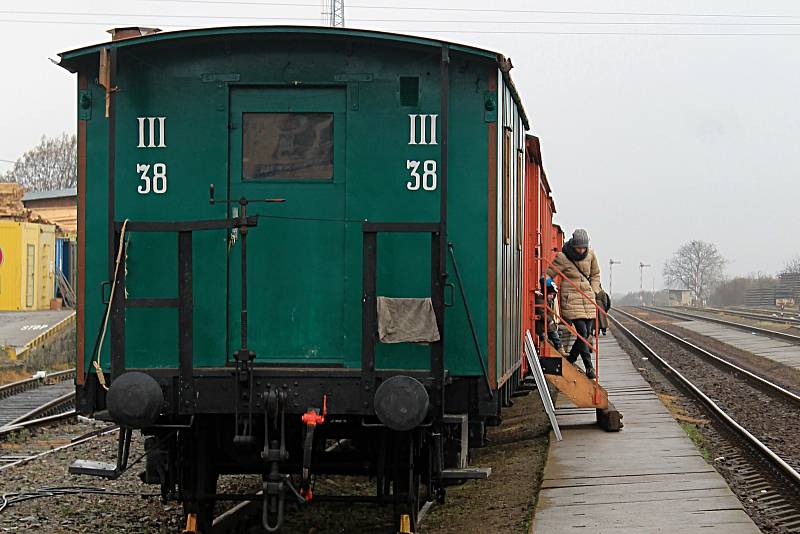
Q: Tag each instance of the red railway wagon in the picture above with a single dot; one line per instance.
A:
(558, 238)
(539, 235)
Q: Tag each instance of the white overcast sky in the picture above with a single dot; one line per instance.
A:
(648, 140)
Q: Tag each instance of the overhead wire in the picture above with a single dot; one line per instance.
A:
(481, 10)
(445, 31)
(429, 21)
(643, 23)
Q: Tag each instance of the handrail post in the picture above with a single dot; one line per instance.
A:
(545, 344)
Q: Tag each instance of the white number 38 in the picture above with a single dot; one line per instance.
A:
(428, 178)
(157, 184)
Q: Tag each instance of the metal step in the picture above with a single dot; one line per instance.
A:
(468, 473)
(95, 469)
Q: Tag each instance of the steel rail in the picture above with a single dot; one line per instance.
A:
(749, 328)
(766, 316)
(31, 423)
(720, 414)
(48, 408)
(22, 461)
(759, 381)
(20, 386)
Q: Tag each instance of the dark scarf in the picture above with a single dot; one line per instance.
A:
(571, 253)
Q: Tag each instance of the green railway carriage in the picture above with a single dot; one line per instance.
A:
(393, 166)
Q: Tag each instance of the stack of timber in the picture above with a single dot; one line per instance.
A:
(11, 206)
(11, 200)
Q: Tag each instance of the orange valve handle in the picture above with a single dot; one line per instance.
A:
(312, 418)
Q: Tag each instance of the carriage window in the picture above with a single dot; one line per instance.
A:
(287, 146)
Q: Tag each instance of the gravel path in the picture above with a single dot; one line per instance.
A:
(79, 513)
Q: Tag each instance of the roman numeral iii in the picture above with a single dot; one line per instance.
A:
(427, 125)
(149, 135)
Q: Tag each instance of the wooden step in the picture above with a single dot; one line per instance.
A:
(582, 391)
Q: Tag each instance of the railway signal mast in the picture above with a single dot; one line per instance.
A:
(333, 13)
(611, 263)
(641, 281)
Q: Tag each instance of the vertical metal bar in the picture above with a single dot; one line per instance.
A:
(80, 288)
(369, 317)
(545, 345)
(185, 324)
(112, 152)
(439, 240)
(596, 342)
(243, 232)
(118, 312)
(437, 348)
(444, 104)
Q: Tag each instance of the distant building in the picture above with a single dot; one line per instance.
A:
(788, 288)
(59, 207)
(759, 296)
(680, 297)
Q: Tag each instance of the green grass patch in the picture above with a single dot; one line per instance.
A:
(697, 438)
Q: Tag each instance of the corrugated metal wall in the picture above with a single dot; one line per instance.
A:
(510, 210)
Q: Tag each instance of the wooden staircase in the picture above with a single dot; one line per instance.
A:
(584, 392)
(572, 382)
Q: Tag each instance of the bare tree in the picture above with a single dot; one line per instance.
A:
(50, 165)
(697, 266)
(792, 266)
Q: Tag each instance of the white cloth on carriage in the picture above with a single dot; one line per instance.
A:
(406, 320)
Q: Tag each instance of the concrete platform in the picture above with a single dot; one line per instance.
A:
(759, 344)
(647, 478)
(18, 329)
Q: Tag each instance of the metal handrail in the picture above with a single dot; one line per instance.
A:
(598, 310)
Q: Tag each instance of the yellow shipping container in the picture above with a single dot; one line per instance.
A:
(26, 265)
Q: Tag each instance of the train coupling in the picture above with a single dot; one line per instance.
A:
(274, 453)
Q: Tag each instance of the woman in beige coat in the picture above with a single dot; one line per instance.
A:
(579, 264)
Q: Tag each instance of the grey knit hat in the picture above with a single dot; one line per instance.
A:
(580, 238)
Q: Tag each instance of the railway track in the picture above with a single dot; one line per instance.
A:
(755, 379)
(23, 457)
(775, 317)
(36, 401)
(762, 451)
(739, 326)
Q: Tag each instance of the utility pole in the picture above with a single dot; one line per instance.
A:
(641, 281)
(611, 264)
(654, 290)
(333, 13)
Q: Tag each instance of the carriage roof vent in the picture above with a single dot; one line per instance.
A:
(129, 32)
